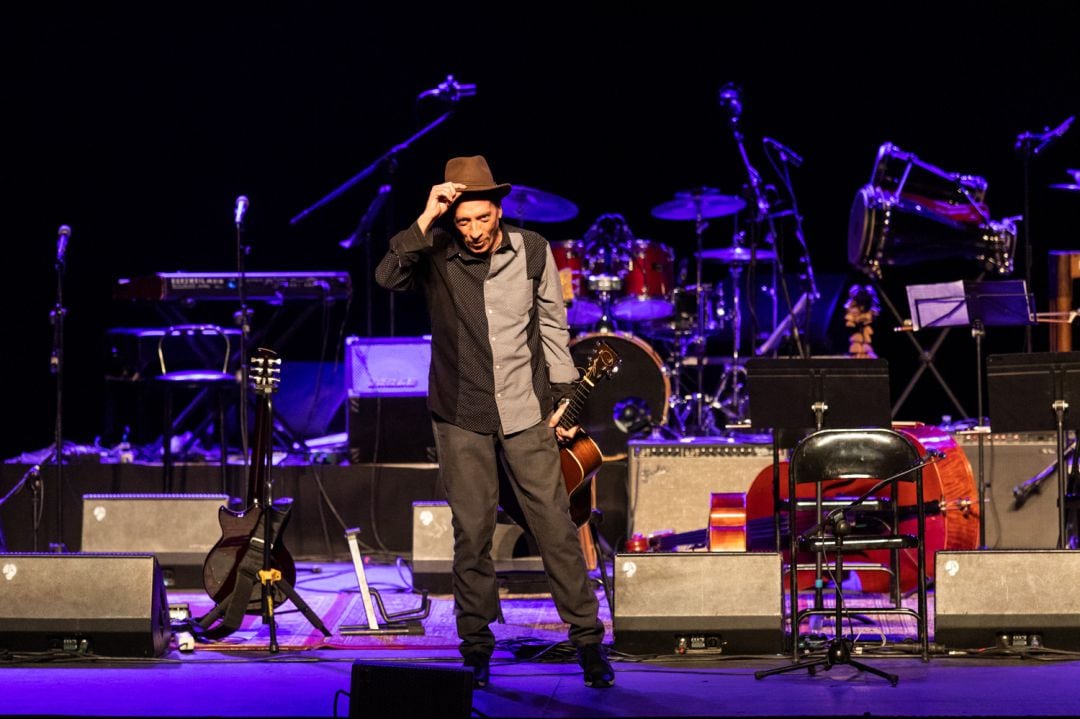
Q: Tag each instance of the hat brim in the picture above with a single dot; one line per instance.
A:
(500, 190)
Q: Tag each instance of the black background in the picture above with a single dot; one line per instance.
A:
(138, 126)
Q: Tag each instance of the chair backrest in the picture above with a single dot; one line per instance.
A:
(852, 454)
(196, 346)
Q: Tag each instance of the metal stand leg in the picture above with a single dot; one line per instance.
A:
(404, 622)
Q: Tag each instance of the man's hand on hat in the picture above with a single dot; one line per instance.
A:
(439, 201)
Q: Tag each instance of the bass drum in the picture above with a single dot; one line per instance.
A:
(632, 399)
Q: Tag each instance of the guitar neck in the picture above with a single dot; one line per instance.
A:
(577, 402)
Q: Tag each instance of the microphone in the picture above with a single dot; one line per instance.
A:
(786, 152)
(241, 208)
(731, 99)
(450, 90)
(62, 242)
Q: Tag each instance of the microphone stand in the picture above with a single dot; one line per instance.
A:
(811, 294)
(388, 156)
(362, 233)
(242, 318)
(730, 100)
(56, 367)
(1030, 144)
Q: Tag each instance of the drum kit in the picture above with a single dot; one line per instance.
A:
(626, 289)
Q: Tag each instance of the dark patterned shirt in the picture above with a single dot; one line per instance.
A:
(499, 337)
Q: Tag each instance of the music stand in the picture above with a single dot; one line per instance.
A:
(978, 304)
(1034, 391)
(795, 396)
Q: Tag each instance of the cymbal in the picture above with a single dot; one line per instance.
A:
(736, 255)
(528, 203)
(703, 202)
(1068, 186)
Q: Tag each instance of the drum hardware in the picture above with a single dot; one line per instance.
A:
(1073, 186)
(698, 204)
(605, 287)
(528, 203)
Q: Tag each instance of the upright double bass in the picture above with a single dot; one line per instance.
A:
(950, 498)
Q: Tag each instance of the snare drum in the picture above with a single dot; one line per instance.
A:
(581, 309)
(648, 283)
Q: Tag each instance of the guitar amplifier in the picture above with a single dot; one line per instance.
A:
(670, 482)
(1010, 460)
(387, 383)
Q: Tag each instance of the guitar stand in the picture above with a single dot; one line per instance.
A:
(404, 622)
(251, 570)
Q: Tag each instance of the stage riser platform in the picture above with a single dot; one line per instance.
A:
(376, 498)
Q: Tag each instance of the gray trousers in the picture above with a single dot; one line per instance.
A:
(467, 468)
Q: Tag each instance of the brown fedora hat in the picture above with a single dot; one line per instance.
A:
(474, 173)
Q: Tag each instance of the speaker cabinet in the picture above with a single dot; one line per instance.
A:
(104, 604)
(433, 547)
(1009, 460)
(380, 690)
(1007, 597)
(669, 483)
(698, 602)
(180, 529)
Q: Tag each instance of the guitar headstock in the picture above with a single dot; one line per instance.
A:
(265, 371)
(603, 362)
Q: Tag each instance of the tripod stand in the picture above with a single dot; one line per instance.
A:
(56, 366)
(795, 394)
(250, 549)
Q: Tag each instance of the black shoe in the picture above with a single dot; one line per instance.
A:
(481, 670)
(598, 671)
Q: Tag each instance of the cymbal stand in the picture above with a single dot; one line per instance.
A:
(700, 425)
(734, 376)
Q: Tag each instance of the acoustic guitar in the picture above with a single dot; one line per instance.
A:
(242, 532)
(581, 458)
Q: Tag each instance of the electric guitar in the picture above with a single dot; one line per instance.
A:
(581, 458)
(242, 533)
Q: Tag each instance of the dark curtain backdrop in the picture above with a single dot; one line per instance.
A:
(138, 126)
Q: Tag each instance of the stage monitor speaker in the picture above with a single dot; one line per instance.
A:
(1009, 460)
(180, 529)
(669, 483)
(433, 547)
(1007, 598)
(379, 690)
(387, 383)
(103, 604)
(698, 603)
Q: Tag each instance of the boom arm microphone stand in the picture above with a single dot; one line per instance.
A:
(730, 100)
(450, 91)
(56, 366)
(1029, 145)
